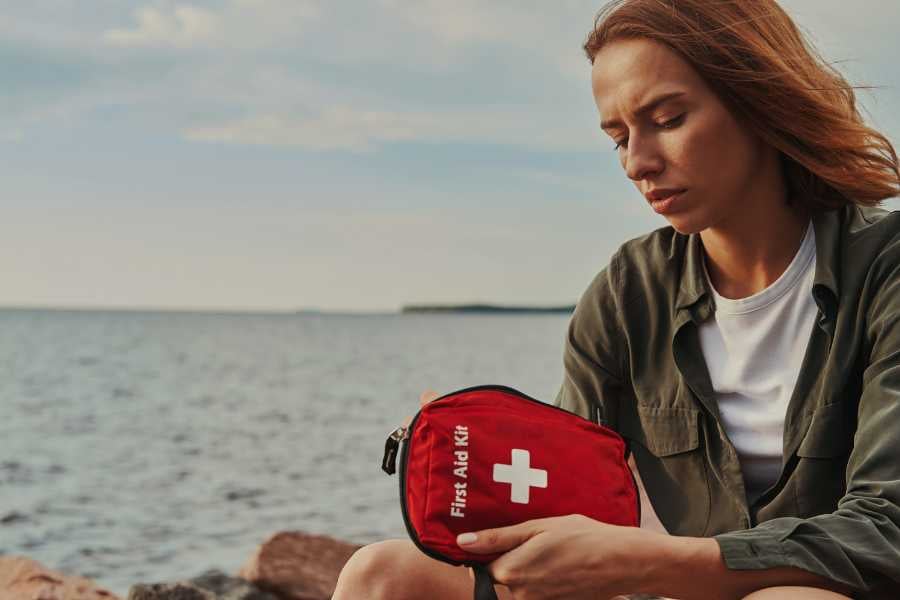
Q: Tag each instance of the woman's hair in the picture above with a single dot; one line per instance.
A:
(755, 59)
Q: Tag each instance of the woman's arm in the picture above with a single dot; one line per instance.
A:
(859, 543)
(592, 357)
(856, 545)
(690, 568)
(574, 556)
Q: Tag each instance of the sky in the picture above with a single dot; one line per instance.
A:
(349, 155)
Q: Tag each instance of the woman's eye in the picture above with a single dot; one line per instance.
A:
(670, 124)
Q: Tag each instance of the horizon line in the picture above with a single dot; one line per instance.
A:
(243, 310)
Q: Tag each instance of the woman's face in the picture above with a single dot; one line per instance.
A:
(689, 141)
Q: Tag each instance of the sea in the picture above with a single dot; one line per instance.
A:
(146, 447)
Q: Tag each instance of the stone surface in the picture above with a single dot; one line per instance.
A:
(22, 578)
(298, 566)
(168, 591)
(212, 585)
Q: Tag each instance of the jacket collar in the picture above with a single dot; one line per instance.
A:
(693, 286)
(828, 226)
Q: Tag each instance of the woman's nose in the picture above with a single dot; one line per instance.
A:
(642, 159)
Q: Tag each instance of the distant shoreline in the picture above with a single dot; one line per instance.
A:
(409, 309)
(485, 308)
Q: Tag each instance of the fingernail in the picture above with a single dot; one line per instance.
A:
(466, 538)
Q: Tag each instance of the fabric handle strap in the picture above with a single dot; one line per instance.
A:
(484, 585)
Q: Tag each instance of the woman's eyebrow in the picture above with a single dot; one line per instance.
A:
(647, 107)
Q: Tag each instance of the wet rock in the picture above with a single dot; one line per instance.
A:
(212, 585)
(168, 591)
(22, 578)
(298, 566)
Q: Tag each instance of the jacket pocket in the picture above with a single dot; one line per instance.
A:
(672, 465)
(667, 431)
(820, 475)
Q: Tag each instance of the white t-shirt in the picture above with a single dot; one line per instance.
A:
(754, 348)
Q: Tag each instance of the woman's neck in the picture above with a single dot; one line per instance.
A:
(746, 253)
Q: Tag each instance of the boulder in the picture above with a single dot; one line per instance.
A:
(212, 585)
(22, 578)
(298, 566)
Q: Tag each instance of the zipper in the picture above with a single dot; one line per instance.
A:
(392, 443)
(391, 446)
(516, 392)
(394, 449)
(637, 488)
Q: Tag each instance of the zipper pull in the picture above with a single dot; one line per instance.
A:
(600, 419)
(391, 446)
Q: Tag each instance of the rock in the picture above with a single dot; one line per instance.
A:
(168, 591)
(298, 566)
(24, 579)
(212, 585)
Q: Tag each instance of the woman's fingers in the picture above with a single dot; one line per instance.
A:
(427, 396)
(424, 398)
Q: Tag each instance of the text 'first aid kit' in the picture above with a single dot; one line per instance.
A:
(490, 456)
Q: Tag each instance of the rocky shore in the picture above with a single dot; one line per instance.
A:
(290, 565)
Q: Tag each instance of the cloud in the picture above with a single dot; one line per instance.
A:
(344, 128)
(367, 74)
(525, 29)
(240, 23)
(334, 129)
(460, 22)
(180, 26)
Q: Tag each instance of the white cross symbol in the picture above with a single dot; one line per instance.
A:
(520, 476)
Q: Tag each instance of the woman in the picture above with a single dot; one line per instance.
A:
(750, 351)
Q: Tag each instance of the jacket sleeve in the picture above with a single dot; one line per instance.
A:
(859, 543)
(593, 357)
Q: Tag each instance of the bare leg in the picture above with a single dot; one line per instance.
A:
(397, 570)
(794, 593)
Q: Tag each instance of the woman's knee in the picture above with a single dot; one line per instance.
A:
(794, 593)
(372, 568)
(398, 570)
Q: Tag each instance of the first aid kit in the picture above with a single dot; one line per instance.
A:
(491, 456)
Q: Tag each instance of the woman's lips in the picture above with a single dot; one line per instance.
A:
(666, 205)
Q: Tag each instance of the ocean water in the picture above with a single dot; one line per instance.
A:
(147, 447)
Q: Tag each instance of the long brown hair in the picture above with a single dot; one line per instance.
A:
(759, 64)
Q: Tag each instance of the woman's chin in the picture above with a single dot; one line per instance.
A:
(684, 224)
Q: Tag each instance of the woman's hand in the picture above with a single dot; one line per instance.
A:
(424, 398)
(572, 557)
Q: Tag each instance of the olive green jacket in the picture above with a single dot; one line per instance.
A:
(633, 354)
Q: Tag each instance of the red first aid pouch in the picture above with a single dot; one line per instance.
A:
(490, 456)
